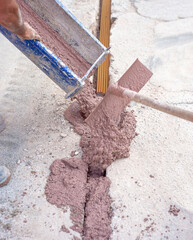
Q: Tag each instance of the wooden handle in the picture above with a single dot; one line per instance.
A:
(163, 107)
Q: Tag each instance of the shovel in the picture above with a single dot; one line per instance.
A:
(125, 90)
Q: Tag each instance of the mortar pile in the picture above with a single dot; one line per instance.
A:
(81, 183)
(106, 133)
(104, 140)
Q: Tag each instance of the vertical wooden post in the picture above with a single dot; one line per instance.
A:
(105, 23)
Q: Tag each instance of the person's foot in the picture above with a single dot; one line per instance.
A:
(5, 176)
(2, 123)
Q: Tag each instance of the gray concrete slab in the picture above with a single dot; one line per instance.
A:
(158, 173)
(163, 9)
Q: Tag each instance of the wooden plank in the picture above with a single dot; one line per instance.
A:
(105, 24)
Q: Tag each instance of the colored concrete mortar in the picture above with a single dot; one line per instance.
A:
(105, 136)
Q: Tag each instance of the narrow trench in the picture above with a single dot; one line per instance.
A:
(90, 173)
(85, 205)
(102, 142)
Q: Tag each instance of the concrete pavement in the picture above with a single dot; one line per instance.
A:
(152, 189)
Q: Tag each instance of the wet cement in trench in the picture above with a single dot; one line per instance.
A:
(105, 136)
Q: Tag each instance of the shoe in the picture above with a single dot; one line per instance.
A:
(2, 123)
(5, 176)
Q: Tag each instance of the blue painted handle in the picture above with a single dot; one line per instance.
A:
(49, 63)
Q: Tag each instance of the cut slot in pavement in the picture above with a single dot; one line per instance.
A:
(105, 136)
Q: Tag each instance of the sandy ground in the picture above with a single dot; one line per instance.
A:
(158, 172)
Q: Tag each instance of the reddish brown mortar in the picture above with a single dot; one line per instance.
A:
(105, 136)
(54, 41)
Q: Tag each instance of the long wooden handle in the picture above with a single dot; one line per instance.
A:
(163, 107)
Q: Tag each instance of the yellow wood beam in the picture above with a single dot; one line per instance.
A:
(105, 24)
